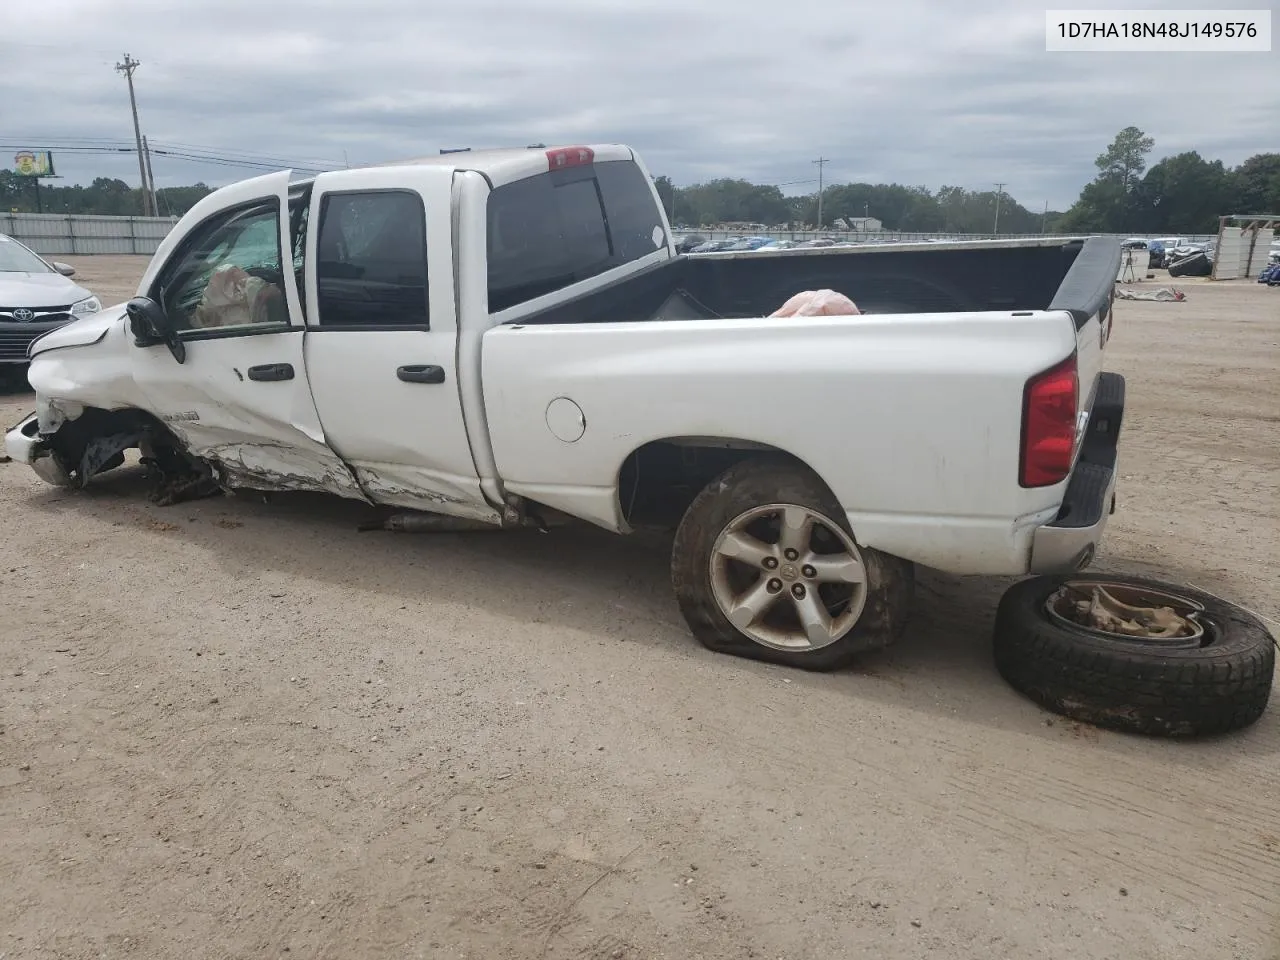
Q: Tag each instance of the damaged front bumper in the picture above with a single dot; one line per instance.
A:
(24, 444)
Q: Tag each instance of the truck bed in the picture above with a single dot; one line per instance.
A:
(976, 276)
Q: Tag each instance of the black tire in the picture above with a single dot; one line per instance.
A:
(755, 483)
(1130, 685)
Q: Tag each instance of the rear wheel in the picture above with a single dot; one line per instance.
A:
(765, 566)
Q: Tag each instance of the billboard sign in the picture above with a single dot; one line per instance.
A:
(33, 163)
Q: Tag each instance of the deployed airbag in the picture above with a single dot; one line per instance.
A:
(817, 303)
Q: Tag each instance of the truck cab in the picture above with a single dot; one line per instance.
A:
(313, 333)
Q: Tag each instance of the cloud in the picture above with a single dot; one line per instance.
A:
(916, 91)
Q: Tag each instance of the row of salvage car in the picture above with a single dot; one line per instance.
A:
(696, 243)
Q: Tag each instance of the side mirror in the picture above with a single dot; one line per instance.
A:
(64, 268)
(150, 325)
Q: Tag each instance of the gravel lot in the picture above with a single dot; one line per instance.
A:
(242, 729)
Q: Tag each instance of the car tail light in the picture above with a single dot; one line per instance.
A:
(563, 157)
(1049, 425)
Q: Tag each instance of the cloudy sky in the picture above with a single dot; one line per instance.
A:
(925, 92)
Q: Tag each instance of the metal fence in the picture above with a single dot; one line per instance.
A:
(60, 233)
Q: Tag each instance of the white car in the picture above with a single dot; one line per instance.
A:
(35, 296)
(508, 338)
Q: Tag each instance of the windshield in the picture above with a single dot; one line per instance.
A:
(15, 258)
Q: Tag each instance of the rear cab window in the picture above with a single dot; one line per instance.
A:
(552, 230)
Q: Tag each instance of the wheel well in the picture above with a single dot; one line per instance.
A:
(72, 436)
(97, 430)
(658, 481)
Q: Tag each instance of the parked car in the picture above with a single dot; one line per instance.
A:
(711, 246)
(548, 358)
(35, 296)
(1190, 262)
(1167, 246)
(748, 243)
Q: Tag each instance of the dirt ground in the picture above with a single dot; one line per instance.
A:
(237, 729)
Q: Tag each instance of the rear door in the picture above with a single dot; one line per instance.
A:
(240, 398)
(382, 336)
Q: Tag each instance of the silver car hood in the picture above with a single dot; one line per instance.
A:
(39, 290)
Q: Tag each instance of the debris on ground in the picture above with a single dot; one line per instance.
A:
(1165, 294)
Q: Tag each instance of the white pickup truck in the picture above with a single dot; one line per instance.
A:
(509, 337)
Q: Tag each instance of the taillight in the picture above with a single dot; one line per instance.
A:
(1049, 425)
(563, 157)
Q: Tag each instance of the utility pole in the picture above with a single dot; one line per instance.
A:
(151, 179)
(1044, 220)
(999, 193)
(821, 162)
(127, 69)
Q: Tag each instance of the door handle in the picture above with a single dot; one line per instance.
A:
(421, 373)
(272, 371)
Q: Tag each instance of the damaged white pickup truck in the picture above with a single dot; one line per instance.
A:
(509, 337)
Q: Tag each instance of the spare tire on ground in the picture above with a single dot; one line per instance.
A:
(1196, 265)
(1134, 655)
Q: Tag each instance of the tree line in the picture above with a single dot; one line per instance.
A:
(917, 209)
(1184, 193)
(105, 196)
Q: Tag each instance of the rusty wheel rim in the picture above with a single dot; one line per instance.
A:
(1129, 612)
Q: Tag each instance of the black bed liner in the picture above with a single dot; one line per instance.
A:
(1075, 275)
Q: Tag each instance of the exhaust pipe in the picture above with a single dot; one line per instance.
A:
(427, 523)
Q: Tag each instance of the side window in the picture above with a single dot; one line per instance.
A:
(555, 229)
(635, 223)
(228, 274)
(371, 260)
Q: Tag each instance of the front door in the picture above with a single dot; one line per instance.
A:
(382, 337)
(241, 398)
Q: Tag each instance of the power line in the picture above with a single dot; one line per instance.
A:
(232, 162)
(70, 142)
(254, 155)
(64, 147)
(164, 150)
(85, 141)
